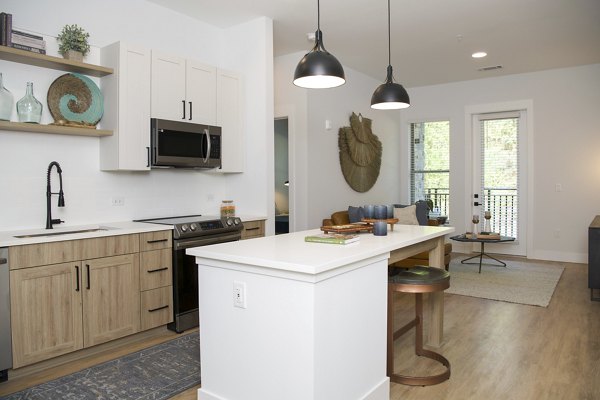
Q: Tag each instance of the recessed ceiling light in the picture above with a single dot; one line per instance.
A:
(479, 54)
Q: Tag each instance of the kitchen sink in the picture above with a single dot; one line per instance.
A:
(64, 232)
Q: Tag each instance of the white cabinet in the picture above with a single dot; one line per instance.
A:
(229, 118)
(127, 108)
(183, 90)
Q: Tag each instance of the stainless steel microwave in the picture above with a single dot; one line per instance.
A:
(177, 144)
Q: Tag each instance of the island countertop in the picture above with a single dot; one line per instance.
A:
(290, 252)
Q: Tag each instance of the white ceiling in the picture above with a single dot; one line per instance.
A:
(520, 35)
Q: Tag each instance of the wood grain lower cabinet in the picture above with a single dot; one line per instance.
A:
(46, 310)
(111, 302)
(253, 229)
(157, 307)
(90, 294)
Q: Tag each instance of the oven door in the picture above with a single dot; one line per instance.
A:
(185, 279)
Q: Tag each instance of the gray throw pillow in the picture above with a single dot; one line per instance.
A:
(355, 214)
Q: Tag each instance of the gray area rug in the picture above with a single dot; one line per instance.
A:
(523, 283)
(158, 372)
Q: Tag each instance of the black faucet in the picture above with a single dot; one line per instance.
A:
(61, 196)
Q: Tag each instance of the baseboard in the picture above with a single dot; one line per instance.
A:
(561, 256)
(206, 395)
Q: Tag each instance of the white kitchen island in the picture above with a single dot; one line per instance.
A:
(314, 322)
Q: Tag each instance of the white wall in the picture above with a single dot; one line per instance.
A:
(88, 191)
(566, 140)
(316, 151)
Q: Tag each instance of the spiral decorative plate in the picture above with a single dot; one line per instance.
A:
(75, 98)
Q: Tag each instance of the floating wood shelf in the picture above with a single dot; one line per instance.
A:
(44, 61)
(55, 129)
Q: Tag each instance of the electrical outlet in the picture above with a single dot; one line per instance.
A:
(210, 197)
(557, 233)
(118, 201)
(558, 187)
(239, 294)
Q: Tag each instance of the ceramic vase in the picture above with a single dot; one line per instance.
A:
(6, 102)
(29, 108)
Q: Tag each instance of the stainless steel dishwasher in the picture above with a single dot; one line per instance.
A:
(5, 342)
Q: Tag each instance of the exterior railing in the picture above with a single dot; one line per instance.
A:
(500, 202)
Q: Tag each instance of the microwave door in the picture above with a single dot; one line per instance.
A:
(176, 148)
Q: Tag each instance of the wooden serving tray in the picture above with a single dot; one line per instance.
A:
(349, 228)
(390, 221)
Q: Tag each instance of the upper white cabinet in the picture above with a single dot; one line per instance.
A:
(127, 108)
(229, 118)
(183, 90)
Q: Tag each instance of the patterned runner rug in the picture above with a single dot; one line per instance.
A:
(156, 373)
(523, 283)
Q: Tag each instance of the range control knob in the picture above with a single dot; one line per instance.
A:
(193, 227)
(236, 221)
(229, 222)
(184, 228)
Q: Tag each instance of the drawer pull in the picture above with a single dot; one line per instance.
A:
(158, 270)
(158, 308)
(77, 277)
(253, 229)
(157, 241)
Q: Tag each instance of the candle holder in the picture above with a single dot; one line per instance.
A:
(475, 221)
(486, 225)
(380, 228)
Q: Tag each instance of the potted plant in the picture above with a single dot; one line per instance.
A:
(73, 42)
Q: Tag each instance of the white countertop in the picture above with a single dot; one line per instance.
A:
(290, 252)
(248, 218)
(7, 238)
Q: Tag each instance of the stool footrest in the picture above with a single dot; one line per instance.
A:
(405, 328)
(425, 380)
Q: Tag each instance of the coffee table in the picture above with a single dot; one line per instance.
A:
(463, 238)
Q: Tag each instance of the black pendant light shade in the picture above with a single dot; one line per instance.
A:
(390, 95)
(319, 69)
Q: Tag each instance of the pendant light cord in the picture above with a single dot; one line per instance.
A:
(318, 15)
(389, 37)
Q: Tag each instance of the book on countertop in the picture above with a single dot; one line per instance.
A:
(333, 238)
(28, 48)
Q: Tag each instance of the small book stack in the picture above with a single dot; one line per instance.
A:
(18, 39)
(332, 238)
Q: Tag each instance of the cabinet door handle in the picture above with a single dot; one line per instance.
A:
(87, 267)
(158, 308)
(253, 229)
(190, 110)
(156, 240)
(183, 101)
(148, 150)
(77, 277)
(157, 270)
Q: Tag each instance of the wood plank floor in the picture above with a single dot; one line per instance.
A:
(497, 350)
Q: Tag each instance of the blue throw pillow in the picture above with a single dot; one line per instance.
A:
(355, 214)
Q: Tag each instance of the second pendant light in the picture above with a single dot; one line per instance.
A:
(390, 95)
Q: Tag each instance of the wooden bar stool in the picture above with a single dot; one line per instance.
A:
(417, 280)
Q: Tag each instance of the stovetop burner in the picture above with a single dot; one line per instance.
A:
(189, 226)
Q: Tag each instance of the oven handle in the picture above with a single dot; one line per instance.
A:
(182, 244)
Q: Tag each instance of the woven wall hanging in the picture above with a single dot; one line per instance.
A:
(360, 153)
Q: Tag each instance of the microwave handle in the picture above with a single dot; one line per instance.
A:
(207, 142)
(148, 151)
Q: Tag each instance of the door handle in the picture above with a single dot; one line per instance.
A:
(148, 151)
(190, 110)
(476, 203)
(87, 266)
(183, 101)
(77, 277)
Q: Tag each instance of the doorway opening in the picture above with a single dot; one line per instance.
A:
(282, 181)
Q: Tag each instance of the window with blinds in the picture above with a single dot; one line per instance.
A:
(500, 171)
(430, 164)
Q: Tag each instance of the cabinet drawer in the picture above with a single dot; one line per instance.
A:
(155, 240)
(32, 255)
(155, 269)
(253, 229)
(157, 307)
(109, 246)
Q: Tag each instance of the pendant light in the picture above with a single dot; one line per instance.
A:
(389, 95)
(319, 69)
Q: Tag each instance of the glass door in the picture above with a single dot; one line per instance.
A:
(500, 178)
